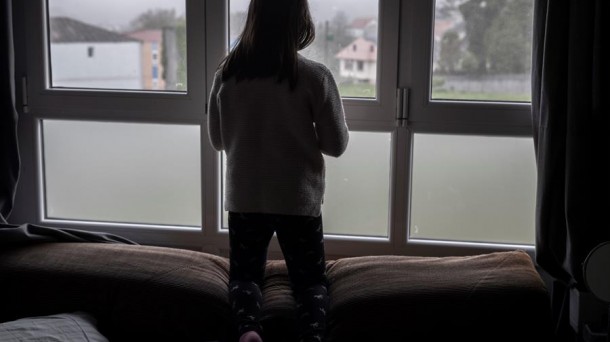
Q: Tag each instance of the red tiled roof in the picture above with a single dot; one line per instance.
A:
(147, 35)
(360, 49)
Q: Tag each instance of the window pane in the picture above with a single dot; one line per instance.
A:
(473, 188)
(357, 187)
(482, 50)
(122, 172)
(346, 41)
(114, 44)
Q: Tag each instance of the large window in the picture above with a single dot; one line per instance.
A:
(436, 94)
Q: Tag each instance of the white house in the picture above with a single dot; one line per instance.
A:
(358, 61)
(365, 27)
(86, 56)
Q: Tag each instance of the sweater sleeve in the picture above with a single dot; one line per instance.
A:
(214, 115)
(331, 127)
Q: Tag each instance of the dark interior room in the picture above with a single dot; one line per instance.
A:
(470, 203)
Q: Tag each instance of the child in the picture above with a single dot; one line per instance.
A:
(274, 113)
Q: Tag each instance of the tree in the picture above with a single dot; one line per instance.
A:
(509, 39)
(499, 35)
(446, 8)
(479, 16)
(154, 19)
(451, 52)
(331, 37)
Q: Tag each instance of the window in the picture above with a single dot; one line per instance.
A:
(472, 188)
(471, 166)
(436, 94)
(118, 136)
(349, 64)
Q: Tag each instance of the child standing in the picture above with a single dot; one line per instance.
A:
(275, 113)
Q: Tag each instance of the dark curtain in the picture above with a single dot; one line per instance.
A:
(9, 154)
(571, 112)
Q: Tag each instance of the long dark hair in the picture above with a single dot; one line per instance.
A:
(275, 31)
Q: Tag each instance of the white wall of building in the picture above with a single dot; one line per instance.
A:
(113, 65)
(368, 72)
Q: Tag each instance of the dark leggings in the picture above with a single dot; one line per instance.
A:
(301, 240)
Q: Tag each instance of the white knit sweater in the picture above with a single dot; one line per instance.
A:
(274, 139)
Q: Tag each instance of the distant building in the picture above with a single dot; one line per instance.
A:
(363, 28)
(87, 56)
(358, 61)
(152, 49)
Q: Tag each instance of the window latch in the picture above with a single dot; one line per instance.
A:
(402, 107)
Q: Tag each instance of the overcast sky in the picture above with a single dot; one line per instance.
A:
(117, 14)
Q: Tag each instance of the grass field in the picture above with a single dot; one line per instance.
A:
(495, 97)
(368, 91)
(357, 90)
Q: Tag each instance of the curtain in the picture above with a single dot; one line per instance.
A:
(571, 116)
(9, 154)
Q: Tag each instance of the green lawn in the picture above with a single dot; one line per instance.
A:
(368, 91)
(501, 97)
(357, 90)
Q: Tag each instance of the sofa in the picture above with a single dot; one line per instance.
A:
(134, 292)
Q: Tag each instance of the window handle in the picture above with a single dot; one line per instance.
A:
(402, 106)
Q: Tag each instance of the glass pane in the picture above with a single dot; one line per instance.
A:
(115, 44)
(473, 188)
(482, 50)
(122, 172)
(358, 187)
(346, 41)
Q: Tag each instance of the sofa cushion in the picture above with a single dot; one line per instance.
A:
(144, 293)
(490, 297)
(65, 327)
(137, 293)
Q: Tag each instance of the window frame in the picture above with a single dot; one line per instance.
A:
(425, 115)
(39, 101)
(404, 58)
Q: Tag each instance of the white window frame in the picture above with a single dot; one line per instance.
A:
(404, 58)
(442, 117)
(44, 102)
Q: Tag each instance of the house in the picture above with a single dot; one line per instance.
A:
(152, 50)
(363, 27)
(358, 61)
(87, 56)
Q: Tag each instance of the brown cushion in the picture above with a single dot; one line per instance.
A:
(491, 297)
(140, 293)
(137, 293)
